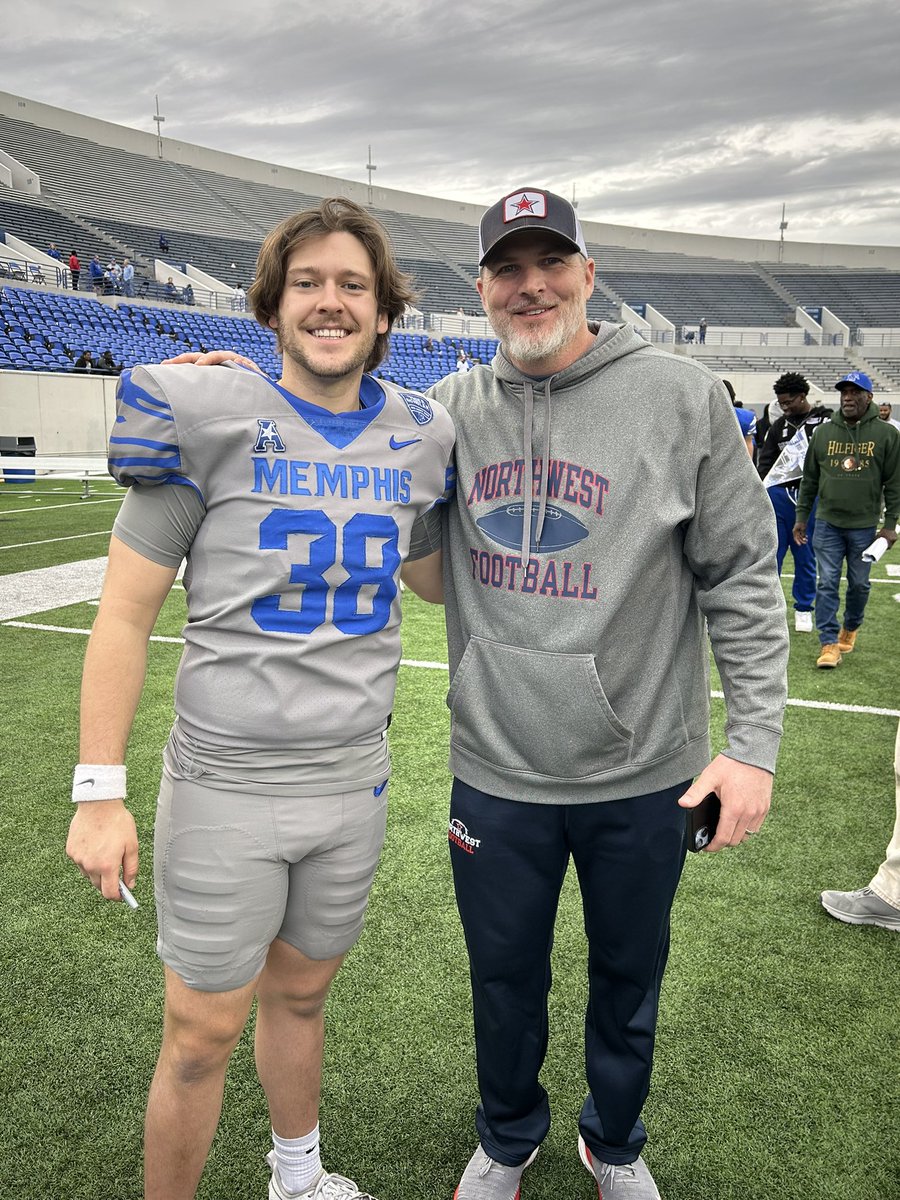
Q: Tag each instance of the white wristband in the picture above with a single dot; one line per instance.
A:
(98, 781)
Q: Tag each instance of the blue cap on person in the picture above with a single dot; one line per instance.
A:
(858, 379)
(529, 208)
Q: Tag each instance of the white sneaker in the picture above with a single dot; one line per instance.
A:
(619, 1181)
(486, 1179)
(862, 907)
(803, 621)
(326, 1187)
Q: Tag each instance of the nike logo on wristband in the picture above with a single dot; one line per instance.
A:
(85, 783)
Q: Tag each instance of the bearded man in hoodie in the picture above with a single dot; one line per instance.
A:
(606, 519)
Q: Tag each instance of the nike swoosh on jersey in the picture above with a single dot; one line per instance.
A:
(395, 445)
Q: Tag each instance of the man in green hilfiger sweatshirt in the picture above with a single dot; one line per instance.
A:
(853, 467)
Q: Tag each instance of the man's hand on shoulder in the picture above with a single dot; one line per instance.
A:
(102, 842)
(212, 358)
(745, 793)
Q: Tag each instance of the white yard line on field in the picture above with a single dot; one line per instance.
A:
(826, 705)
(83, 632)
(49, 541)
(50, 587)
(22, 512)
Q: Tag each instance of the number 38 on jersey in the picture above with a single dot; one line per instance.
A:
(366, 547)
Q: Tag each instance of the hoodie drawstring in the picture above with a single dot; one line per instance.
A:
(528, 474)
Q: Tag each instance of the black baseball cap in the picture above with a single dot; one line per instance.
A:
(529, 208)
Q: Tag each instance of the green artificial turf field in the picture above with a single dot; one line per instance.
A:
(777, 1066)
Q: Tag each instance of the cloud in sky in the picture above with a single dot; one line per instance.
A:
(695, 116)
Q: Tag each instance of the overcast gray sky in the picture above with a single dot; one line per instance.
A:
(692, 115)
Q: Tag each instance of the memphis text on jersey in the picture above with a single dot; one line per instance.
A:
(296, 477)
(572, 488)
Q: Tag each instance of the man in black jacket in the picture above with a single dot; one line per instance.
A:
(780, 466)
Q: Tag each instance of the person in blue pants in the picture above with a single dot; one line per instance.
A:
(780, 465)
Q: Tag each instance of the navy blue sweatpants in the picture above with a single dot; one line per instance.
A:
(509, 861)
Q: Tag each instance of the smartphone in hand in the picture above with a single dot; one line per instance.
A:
(702, 822)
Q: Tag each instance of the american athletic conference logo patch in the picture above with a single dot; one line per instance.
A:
(268, 437)
(419, 407)
(460, 836)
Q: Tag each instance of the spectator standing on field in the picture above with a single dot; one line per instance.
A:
(853, 468)
(879, 903)
(780, 465)
(745, 418)
(884, 411)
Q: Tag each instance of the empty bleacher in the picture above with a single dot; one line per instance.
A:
(859, 298)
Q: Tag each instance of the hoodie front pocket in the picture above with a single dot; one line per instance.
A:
(535, 712)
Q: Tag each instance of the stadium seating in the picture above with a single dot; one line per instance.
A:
(36, 325)
(112, 202)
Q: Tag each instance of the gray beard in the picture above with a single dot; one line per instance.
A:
(520, 347)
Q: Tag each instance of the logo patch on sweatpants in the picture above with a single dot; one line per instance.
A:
(460, 836)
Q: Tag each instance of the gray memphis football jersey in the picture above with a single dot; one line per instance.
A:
(292, 578)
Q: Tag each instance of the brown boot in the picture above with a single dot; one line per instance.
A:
(830, 656)
(846, 640)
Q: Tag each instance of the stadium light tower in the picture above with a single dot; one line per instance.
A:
(783, 226)
(159, 122)
(370, 167)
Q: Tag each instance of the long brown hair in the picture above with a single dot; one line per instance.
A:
(393, 287)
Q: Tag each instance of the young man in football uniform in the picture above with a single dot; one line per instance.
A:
(294, 504)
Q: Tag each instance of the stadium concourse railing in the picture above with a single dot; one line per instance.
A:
(19, 270)
(877, 337)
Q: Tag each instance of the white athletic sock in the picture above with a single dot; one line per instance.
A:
(297, 1160)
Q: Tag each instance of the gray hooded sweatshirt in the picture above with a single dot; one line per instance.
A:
(624, 485)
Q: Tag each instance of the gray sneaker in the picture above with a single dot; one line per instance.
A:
(326, 1187)
(861, 908)
(619, 1181)
(486, 1179)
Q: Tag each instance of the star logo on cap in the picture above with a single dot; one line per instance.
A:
(524, 204)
